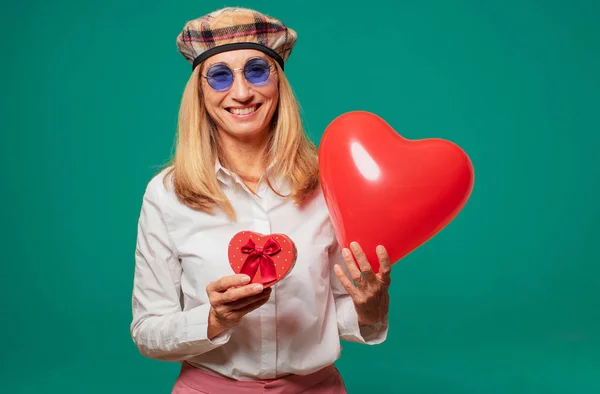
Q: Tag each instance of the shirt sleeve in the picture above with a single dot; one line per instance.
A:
(347, 318)
(160, 328)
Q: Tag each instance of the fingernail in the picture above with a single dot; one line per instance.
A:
(257, 287)
(245, 279)
(345, 252)
(380, 249)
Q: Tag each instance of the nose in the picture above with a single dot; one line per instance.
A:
(241, 89)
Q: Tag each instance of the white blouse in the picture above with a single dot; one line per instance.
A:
(179, 251)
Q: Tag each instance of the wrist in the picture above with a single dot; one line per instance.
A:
(214, 326)
(370, 323)
(363, 322)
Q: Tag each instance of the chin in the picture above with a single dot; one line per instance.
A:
(245, 132)
(243, 128)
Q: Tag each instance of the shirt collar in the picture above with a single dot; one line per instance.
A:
(222, 173)
(225, 176)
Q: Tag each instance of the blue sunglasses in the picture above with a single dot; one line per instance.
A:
(220, 77)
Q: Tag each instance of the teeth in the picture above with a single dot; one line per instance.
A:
(243, 111)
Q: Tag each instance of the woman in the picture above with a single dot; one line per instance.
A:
(243, 162)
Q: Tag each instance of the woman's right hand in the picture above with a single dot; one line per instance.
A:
(231, 297)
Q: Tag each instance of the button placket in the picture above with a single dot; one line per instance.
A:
(262, 225)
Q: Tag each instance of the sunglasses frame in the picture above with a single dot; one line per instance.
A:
(233, 70)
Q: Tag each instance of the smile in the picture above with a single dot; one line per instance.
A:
(245, 111)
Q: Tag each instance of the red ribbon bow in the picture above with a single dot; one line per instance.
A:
(260, 257)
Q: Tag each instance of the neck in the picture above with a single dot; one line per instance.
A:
(244, 156)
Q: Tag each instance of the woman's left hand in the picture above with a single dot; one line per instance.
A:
(370, 295)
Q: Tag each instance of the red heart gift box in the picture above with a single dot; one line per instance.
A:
(266, 259)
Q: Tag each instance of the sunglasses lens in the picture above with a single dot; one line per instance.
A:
(257, 71)
(219, 77)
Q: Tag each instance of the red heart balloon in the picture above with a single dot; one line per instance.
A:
(267, 259)
(381, 188)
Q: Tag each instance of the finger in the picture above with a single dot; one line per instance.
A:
(250, 307)
(247, 300)
(363, 263)
(226, 282)
(237, 293)
(346, 282)
(385, 265)
(352, 268)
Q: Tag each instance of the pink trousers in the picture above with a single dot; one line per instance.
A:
(192, 380)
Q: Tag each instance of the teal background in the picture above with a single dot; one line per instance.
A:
(504, 300)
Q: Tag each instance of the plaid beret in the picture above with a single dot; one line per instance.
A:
(233, 28)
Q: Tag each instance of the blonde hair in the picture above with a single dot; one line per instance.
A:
(193, 165)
